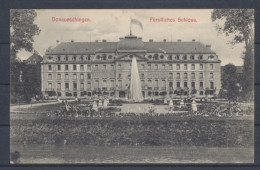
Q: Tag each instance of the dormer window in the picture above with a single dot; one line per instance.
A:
(89, 57)
(104, 57)
(184, 57)
(170, 57)
(211, 57)
(162, 56)
(74, 58)
(155, 56)
(58, 58)
(110, 57)
(81, 58)
(177, 57)
(150, 57)
(98, 57)
(67, 58)
(200, 57)
(192, 57)
(50, 57)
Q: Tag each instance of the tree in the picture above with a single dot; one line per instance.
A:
(229, 82)
(22, 31)
(240, 23)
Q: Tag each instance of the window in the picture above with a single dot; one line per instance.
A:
(201, 66)
(193, 75)
(96, 67)
(193, 66)
(110, 57)
(119, 75)
(177, 57)
(185, 66)
(89, 76)
(49, 76)
(185, 84)
(150, 57)
(162, 56)
(58, 86)
(163, 85)
(142, 67)
(81, 76)
(192, 57)
(156, 84)
(149, 66)
(201, 84)
(104, 67)
(49, 67)
(82, 58)
(81, 67)
(142, 75)
(66, 86)
(200, 57)
(149, 84)
(170, 57)
(89, 86)
(119, 66)
(66, 67)
(104, 57)
(156, 66)
(185, 76)
(89, 67)
(171, 66)
(104, 83)
(211, 85)
(163, 66)
(170, 76)
(201, 93)
(211, 75)
(120, 83)
(89, 57)
(58, 76)
(112, 84)
(112, 67)
(67, 58)
(178, 84)
(74, 86)
(155, 56)
(74, 67)
(74, 76)
(178, 67)
(66, 77)
(74, 58)
(49, 86)
(211, 66)
(193, 84)
(58, 58)
(58, 67)
(201, 75)
(96, 85)
(184, 57)
(142, 84)
(98, 57)
(178, 76)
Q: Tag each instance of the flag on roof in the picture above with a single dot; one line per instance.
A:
(137, 22)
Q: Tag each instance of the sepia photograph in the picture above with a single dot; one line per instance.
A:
(132, 86)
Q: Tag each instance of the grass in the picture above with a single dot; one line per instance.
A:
(135, 130)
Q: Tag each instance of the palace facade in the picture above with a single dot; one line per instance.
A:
(82, 69)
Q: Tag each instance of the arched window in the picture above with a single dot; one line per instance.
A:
(150, 57)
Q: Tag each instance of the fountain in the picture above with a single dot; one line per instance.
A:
(135, 86)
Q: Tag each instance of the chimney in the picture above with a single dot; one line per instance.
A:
(72, 41)
(208, 46)
(179, 40)
(104, 40)
(150, 40)
(96, 41)
(164, 40)
(193, 40)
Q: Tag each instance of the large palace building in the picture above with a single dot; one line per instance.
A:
(82, 69)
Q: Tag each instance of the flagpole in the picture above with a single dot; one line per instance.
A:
(131, 26)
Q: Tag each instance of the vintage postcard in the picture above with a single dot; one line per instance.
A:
(131, 86)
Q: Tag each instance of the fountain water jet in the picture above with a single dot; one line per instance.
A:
(135, 86)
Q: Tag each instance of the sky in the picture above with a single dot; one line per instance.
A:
(112, 24)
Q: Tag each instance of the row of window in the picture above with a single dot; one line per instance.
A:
(155, 85)
(119, 66)
(170, 76)
(110, 57)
